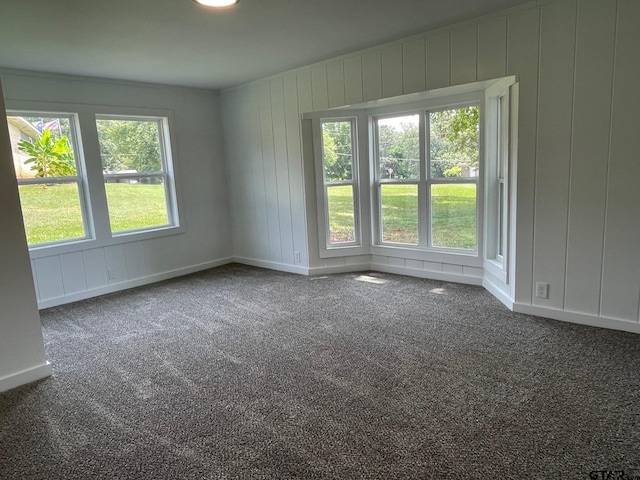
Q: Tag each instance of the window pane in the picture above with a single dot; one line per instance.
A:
(453, 215)
(337, 151)
(129, 146)
(341, 214)
(399, 213)
(135, 205)
(42, 146)
(453, 145)
(399, 147)
(51, 213)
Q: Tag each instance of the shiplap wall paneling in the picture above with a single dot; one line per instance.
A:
(294, 152)
(372, 75)
(438, 60)
(555, 107)
(49, 273)
(282, 170)
(492, 48)
(319, 87)
(34, 274)
(522, 60)
(74, 277)
(305, 104)
(335, 84)
(414, 56)
(270, 177)
(621, 275)
(116, 261)
(392, 71)
(95, 268)
(260, 202)
(590, 154)
(464, 54)
(353, 80)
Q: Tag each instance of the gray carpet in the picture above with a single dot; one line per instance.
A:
(244, 373)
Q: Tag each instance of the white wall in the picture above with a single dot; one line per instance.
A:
(578, 202)
(199, 161)
(21, 349)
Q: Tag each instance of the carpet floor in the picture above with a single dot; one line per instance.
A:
(245, 373)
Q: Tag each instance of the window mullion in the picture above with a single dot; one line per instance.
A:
(423, 189)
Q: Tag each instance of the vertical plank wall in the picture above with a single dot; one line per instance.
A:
(577, 218)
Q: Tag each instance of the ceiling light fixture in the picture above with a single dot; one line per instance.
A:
(217, 3)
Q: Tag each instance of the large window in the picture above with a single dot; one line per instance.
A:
(64, 200)
(429, 179)
(50, 180)
(134, 162)
(427, 166)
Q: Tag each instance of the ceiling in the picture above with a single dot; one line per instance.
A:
(177, 42)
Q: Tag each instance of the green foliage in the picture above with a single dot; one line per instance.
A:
(49, 157)
(337, 146)
(455, 171)
(454, 139)
(399, 150)
(129, 145)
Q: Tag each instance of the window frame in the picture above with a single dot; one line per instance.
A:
(94, 191)
(448, 97)
(80, 179)
(167, 172)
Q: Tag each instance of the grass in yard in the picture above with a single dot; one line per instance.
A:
(52, 213)
(341, 227)
(453, 208)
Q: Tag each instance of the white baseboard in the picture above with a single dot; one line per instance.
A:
(136, 282)
(357, 267)
(432, 275)
(494, 290)
(281, 267)
(26, 376)
(581, 318)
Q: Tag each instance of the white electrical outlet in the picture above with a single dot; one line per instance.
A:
(111, 274)
(542, 290)
(297, 256)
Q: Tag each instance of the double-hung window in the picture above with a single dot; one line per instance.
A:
(135, 159)
(61, 178)
(339, 172)
(427, 166)
(51, 180)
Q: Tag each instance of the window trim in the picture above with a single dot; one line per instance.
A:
(94, 182)
(477, 93)
(80, 179)
(166, 159)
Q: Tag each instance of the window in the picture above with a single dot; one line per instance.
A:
(438, 183)
(50, 180)
(429, 179)
(69, 195)
(134, 156)
(338, 173)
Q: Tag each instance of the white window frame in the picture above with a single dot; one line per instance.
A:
(96, 215)
(80, 179)
(321, 173)
(167, 172)
(476, 93)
